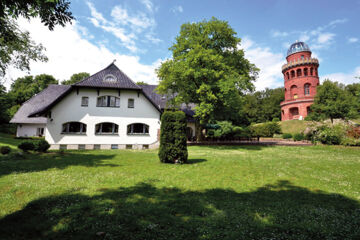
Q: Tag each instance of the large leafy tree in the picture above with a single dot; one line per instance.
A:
(332, 101)
(77, 77)
(5, 104)
(24, 88)
(207, 68)
(16, 47)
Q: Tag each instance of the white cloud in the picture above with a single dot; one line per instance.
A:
(177, 9)
(279, 34)
(345, 78)
(126, 26)
(268, 62)
(353, 40)
(324, 38)
(70, 53)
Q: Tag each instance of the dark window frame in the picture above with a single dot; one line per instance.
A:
(66, 128)
(99, 127)
(106, 101)
(131, 129)
(82, 101)
(133, 103)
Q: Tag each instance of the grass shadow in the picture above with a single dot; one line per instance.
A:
(35, 162)
(143, 211)
(197, 160)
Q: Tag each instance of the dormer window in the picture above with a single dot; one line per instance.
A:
(109, 78)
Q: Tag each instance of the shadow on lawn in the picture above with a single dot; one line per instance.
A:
(35, 162)
(279, 211)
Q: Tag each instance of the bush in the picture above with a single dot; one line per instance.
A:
(26, 146)
(276, 120)
(330, 135)
(41, 145)
(5, 150)
(173, 148)
(265, 129)
(287, 136)
(298, 137)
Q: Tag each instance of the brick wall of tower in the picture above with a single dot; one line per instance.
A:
(300, 82)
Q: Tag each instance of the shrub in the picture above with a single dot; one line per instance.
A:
(173, 148)
(5, 150)
(330, 135)
(265, 129)
(225, 130)
(298, 137)
(26, 146)
(276, 120)
(287, 136)
(41, 145)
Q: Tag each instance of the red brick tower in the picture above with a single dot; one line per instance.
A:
(301, 79)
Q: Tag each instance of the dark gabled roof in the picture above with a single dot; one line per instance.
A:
(158, 99)
(161, 100)
(97, 80)
(38, 103)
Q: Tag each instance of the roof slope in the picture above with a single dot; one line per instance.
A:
(97, 80)
(39, 102)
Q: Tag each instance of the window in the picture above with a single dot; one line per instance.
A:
(311, 71)
(74, 128)
(302, 57)
(106, 128)
(128, 146)
(145, 146)
(63, 147)
(114, 146)
(85, 101)
(307, 89)
(109, 78)
(108, 101)
(131, 103)
(39, 132)
(292, 73)
(96, 146)
(137, 128)
(298, 73)
(81, 146)
(305, 71)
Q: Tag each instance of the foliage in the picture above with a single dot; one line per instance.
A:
(141, 83)
(173, 147)
(5, 150)
(77, 77)
(5, 104)
(276, 120)
(262, 106)
(16, 47)
(225, 130)
(209, 69)
(287, 135)
(41, 145)
(331, 135)
(298, 137)
(26, 146)
(267, 129)
(332, 101)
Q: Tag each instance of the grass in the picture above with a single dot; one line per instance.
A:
(293, 126)
(237, 192)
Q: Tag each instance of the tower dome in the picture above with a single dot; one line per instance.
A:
(298, 47)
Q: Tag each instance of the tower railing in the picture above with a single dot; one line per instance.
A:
(298, 62)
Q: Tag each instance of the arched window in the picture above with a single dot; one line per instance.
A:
(287, 76)
(108, 101)
(305, 71)
(106, 128)
(298, 72)
(311, 71)
(307, 89)
(292, 73)
(73, 128)
(294, 92)
(137, 128)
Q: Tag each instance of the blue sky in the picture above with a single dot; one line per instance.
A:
(138, 33)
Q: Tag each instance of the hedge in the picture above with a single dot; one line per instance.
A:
(173, 148)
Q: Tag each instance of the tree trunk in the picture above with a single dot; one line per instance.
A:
(198, 131)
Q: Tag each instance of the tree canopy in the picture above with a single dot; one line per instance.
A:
(207, 68)
(77, 77)
(333, 101)
(16, 47)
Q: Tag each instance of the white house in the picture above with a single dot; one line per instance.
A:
(104, 111)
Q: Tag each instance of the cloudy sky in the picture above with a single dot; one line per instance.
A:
(138, 33)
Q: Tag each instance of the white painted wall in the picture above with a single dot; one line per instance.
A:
(69, 109)
(28, 130)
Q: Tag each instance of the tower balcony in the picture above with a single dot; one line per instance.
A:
(299, 62)
(298, 100)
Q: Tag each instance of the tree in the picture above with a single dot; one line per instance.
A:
(16, 47)
(5, 104)
(173, 148)
(141, 83)
(207, 68)
(24, 88)
(331, 101)
(77, 77)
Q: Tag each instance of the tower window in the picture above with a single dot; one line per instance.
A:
(311, 71)
(292, 73)
(307, 89)
(305, 71)
(298, 73)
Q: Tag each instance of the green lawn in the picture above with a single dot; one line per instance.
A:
(238, 192)
(294, 126)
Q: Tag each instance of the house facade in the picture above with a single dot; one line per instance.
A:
(104, 111)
